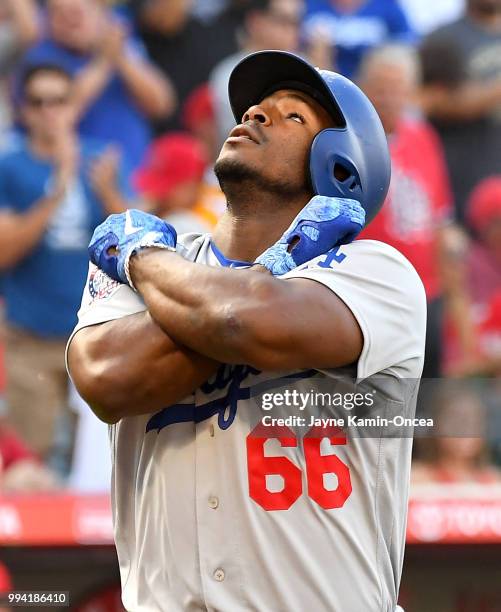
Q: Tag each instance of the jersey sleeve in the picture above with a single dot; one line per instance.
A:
(105, 299)
(386, 296)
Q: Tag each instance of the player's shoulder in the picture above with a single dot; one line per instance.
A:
(374, 248)
(368, 252)
(384, 260)
(369, 262)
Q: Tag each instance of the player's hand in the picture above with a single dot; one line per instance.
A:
(120, 236)
(323, 224)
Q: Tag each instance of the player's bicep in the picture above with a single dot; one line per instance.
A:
(129, 366)
(312, 328)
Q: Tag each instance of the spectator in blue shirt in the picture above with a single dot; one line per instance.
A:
(51, 198)
(355, 26)
(118, 89)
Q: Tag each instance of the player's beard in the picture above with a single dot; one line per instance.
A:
(244, 186)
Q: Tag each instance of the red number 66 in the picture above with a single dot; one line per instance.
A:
(317, 465)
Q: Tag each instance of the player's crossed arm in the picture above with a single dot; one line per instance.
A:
(199, 316)
(242, 316)
(129, 366)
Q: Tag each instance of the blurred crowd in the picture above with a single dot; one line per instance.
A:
(108, 105)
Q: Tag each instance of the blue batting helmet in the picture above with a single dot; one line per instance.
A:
(350, 160)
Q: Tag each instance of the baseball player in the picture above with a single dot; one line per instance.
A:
(179, 339)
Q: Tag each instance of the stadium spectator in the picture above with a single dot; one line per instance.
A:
(418, 207)
(18, 29)
(117, 88)
(484, 217)
(269, 24)
(20, 470)
(5, 585)
(199, 119)
(48, 211)
(184, 48)
(458, 317)
(120, 7)
(206, 10)
(170, 181)
(458, 451)
(481, 269)
(462, 94)
(353, 27)
(424, 20)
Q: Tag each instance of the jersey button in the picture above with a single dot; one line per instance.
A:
(213, 502)
(211, 430)
(219, 575)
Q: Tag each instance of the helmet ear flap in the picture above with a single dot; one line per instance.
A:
(332, 172)
(345, 174)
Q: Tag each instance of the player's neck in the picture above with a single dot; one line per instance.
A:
(244, 236)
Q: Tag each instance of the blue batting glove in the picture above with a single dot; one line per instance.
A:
(120, 236)
(323, 224)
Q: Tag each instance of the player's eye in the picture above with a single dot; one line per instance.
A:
(296, 117)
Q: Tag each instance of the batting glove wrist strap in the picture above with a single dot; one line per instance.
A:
(321, 225)
(146, 245)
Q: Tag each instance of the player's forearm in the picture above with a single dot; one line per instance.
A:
(216, 312)
(150, 89)
(21, 233)
(118, 382)
(244, 316)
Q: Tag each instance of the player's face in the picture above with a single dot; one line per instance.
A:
(272, 143)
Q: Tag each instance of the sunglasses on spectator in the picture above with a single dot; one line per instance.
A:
(40, 102)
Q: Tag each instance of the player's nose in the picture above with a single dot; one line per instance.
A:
(258, 114)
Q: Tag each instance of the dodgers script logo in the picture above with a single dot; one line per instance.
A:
(229, 378)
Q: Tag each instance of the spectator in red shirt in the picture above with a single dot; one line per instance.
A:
(5, 584)
(20, 469)
(419, 201)
(198, 118)
(171, 178)
(484, 217)
(458, 451)
(481, 270)
(484, 270)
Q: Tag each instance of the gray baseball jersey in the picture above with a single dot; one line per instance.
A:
(216, 510)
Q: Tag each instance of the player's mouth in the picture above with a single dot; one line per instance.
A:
(243, 133)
